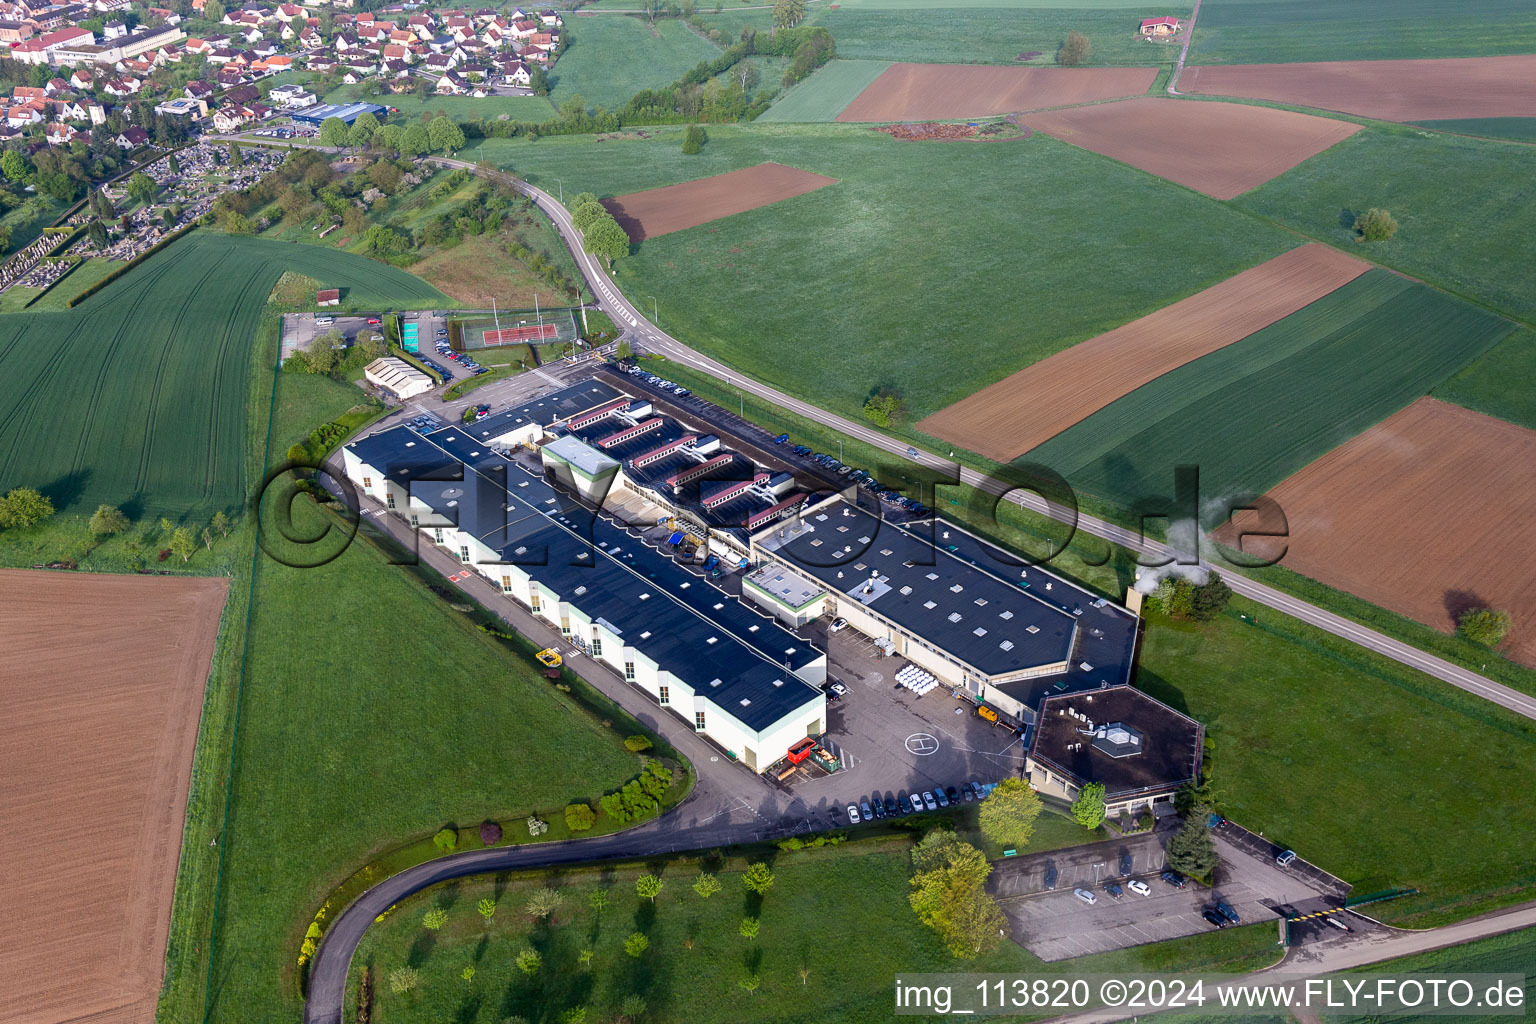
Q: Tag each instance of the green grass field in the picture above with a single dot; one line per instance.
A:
(1285, 31)
(462, 108)
(612, 57)
(824, 95)
(1510, 953)
(852, 287)
(1468, 239)
(1501, 382)
(136, 397)
(839, 913)
(1515, 129)
(1251, 414)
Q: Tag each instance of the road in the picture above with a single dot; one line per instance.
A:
(1178, 67)
(653, 338)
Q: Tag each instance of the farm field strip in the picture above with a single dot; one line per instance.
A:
(1221, 149)
(612, 57)
(827, 92)
(1248, 423)
(1517, 129)
(1424, 514)
(1026, 409)
(931, 92)
(661, 211)
(96, 727)
(1393, 90)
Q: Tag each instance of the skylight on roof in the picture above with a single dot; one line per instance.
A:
(645, 596)
(1031, 629)
(954, 616)
(646, 635)
(929, 605)
(933, 575)
(980, 631)
(981, 602)
(714, 682)
(580, 590)
(778, 682)
(713, 640)
(956, 588)
(887, 552)
(906, 590)
(745, 701)
(1005, 615)
(751, 629)
(410, 444)
(1006, 645)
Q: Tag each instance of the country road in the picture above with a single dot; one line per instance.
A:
(650, 337)
(1189, 36)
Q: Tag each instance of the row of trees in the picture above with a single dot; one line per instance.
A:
(601, 234)
(441, 134)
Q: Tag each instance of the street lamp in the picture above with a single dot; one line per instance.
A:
(561, 186)
(655, 317)
(839, 449)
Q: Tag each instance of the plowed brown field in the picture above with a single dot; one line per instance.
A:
(1221, 149)
(1393, 90)
(1007, 419)
(1426, 514)
(934, 92)
(101, 688)
(661, 211)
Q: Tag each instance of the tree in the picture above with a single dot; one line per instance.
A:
(585, 957)
(648, 887)
(333, 132)
(587, 212)
(207, 538)
(949, 893)
(750, 983)
(529, 961)
(1191, 849)
(694, 139)
(107, 520)
(579, 817)
(1375, 225)
(574, 1015)
(487, 908)
(706, 885)
(142, 188)
(636, 944)
(757, 878)
(748, 75)
(607, 240)
(624, 350)
(1008, 816)
(1486, 626)
(1088, 808)
(446, 839)
(434, 919)
(13, 165)
(401, 979)
(749, 927)
(182, 545)
(213, 11)
(468, 973)
(1209, 598)
(174, 166)
(220, 523)
(236, 154)
(445, 134)
(788, 13)
(414, 141)
(632, 1007)
(598, 899)
(321, 354)
(96, 231)
(883, 408)
(542, 902)
(23, 507)
(364, 126)
(1074, 50)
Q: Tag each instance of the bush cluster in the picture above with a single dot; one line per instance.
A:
(1180, 598)
(640, 796)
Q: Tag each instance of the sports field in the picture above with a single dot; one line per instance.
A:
(1283, 31)
(1469, 239)
(1392, 90)
(1422, 514)
(611, 57)
(661, 211)
(1256, 411)
(104, 679)
(137, 397)
(931, 92)
(853, 287)
(1221, 149)
(824, 95)
(1028, 408)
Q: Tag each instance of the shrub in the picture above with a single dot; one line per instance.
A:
(1375, 225)
(636, 744)
(537, 827)
(1486, 626)
(1074, 50)
(490, 833)
(446, 840)
(579, 817)
(694, 139)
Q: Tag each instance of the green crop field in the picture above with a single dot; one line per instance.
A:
(611, 57)
(137, 396)
(852, 897)
(854, 286)
(995, 35)
(1515, 129)
(1285, 31)
(1253, 413)
(1468, 238)
(1502, 382)
(824, 95)
(1510, 953)
(462, 108)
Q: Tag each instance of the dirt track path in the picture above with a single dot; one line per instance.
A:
(1189, 37)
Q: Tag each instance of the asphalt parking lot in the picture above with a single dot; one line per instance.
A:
(299, 329)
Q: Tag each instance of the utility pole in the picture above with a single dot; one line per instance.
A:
(495, 319)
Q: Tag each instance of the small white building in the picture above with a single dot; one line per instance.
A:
(397, 376)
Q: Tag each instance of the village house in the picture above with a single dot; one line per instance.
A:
(1159, 26)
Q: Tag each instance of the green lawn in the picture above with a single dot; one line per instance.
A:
(137, 397)
(885, 279)
(611, 57)
(1502, 382)
(1285, 31)
(1251, 414)
(28, 220)
(462, 108)
(824, 95)
(1517, 129)
(1470, 239)
(1510, 953)
(841, 914)
(56, 299)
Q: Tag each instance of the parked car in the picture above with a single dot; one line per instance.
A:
(952, 793)
(1286, 859)
(1125, 862)
(929, 802)
(682, 392)
(838, 625)
(1174, 879)
(938, 795)
(904, 804)
(838, 689)
(1139, 887)
(917, 803)
(374, 321)
(976, 788)
(781, 439)
(853, 815)
(1114, 890)
(879, 807)
(1086, 896)
(1049, 881)
(1214, 918)
(891, 806)
(869, 815)
(966, 796)
(1225, 910)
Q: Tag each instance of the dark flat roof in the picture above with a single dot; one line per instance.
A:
(1158, 750)
(544, 410)
(688, 626)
